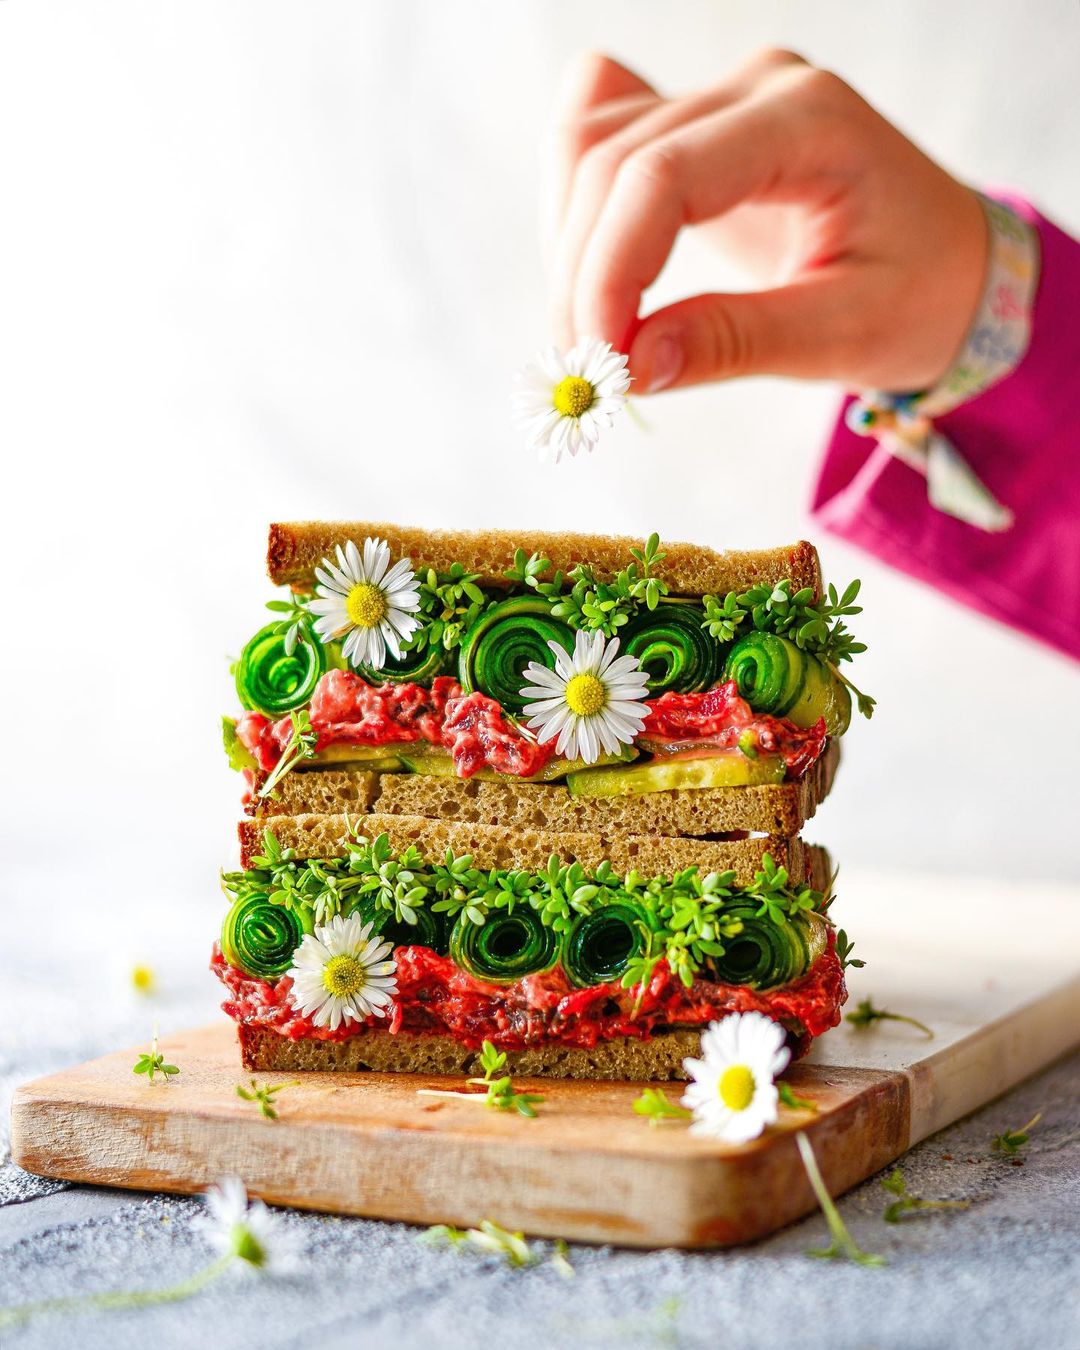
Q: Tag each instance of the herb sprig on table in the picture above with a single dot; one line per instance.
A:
(865, 1015)
(1010, 1142)
(896, 1184)
(500, 1092)
(265, 1096)
(153, 1061)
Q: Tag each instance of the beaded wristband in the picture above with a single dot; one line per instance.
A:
(995, 345)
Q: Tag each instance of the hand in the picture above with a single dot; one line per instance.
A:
(871, 258)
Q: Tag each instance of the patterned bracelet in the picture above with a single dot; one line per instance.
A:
(995, 345)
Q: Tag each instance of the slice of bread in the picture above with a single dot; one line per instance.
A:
(658, 1058)
(781, 808)
(314, 836)
(295, 550)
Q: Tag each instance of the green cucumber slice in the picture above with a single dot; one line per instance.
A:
(822, 695)
(769, 671)
(429, 759)
(674, 649)
(730, 768)
(502, 642)
(273, 681)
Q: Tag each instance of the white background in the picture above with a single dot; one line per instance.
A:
(268, 260)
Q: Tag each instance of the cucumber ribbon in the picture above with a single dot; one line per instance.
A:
(600, 946)
(779, 678)
(505, 947)
(674, 649)
(427, 931)
(260, 938)
(502, 642)
(273, 681)
(769, 951)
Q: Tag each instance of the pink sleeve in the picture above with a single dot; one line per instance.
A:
(1022, 437)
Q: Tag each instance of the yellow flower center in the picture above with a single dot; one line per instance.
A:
(585, 695)
(365, 605)
(573, 396)
(736, 1087)
(343, 976)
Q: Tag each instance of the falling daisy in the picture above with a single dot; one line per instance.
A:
(732, 1094)
(340, 972)
(592, 700)
(247, 1232)
(564, 402)
(366, 602)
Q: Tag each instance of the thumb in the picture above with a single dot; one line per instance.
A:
(791, 330)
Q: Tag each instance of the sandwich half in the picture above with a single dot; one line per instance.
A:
(538, 789)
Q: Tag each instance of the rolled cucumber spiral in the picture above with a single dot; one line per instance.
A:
(502, 642)
(427, 931)
(272, 681)
(506, 947)
(776, 677)
(421, 667)
(673, 648)
(768, 952)
(260, 938)
(599, 946)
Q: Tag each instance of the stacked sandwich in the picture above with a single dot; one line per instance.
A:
(544, 790)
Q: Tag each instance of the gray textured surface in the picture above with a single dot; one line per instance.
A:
(1003, 1273)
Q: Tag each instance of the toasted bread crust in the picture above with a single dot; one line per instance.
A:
(489, 846)
(780, 809)
(658, 1059)
(295, 549)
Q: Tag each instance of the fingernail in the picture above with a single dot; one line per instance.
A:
(665, 367)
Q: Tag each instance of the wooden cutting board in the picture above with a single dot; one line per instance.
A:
(995, 973)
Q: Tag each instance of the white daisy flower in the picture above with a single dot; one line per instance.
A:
(590, 701)
(341, 972)
(249, 1232)
(732, 1094)
(366, 601)
(564, 402)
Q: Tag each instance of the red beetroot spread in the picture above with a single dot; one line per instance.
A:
(346, 710)
(719, 717)
(435, 996)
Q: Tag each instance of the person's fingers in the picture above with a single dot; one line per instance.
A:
(569, 143)
(801, 330)
(596, 96)
(761, 149)
(628, 127)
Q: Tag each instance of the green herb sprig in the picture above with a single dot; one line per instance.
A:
(657, 1107)
(301, 746)
(265, 1096)
(789, 1098)
(450, 603)
(817, 626)
(153, 1062)
(499, 1092)
(904, 1203)
(844, 948)
(843, 1246)
(296, 625)
(590, 604)
(1010, 1142)
(865, 1015)
(493, 1240)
